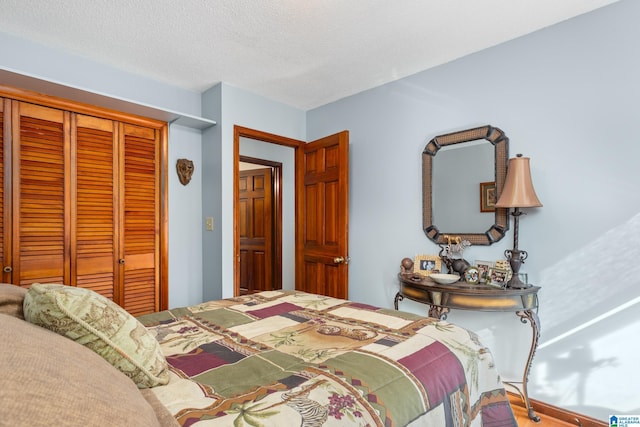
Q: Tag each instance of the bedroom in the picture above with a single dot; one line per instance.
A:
(564, 95)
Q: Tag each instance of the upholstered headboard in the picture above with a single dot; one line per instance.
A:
(51, 380)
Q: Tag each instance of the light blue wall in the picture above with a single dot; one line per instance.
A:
(231, 106)
(34, 60)
(185, 220)
(34, 67)
(566, 97)
(212, 164)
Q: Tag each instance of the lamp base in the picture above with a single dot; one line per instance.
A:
(516, 283)
(516, 258)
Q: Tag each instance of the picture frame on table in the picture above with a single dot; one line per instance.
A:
(497, 277)
(472, 275)
(488, 196)
(504, 264)
(424, 265)
(483, 268)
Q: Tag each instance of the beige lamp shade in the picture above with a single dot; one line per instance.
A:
(518, 189)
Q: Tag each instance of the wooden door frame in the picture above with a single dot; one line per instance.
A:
(276, 215)
(7, 199)
(240, 132)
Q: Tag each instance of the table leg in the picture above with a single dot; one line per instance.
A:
(399, 297)
(438, 312)
(532, 318)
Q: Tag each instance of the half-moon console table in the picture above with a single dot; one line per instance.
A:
(442, 298)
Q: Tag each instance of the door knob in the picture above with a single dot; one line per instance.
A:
(121, 261)
(341, 260)
(7, 269)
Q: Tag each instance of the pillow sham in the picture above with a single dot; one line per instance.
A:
(101, 325)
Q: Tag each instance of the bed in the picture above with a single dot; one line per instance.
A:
(279, 358)
(291, 358)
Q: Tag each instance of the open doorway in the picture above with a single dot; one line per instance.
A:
(318, 252)
(265, 151)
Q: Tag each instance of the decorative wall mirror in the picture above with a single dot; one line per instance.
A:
(456, 169)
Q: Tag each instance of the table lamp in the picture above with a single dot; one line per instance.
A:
(517, 193)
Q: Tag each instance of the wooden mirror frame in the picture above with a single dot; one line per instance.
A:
(501, 146)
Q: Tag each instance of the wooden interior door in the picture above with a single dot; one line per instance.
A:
(323, 214)
(40, 194)
(140, 216)
(94, 203)
(256, 230)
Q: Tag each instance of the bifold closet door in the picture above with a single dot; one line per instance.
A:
(81, 203)
(115, 235)
(140, 237)
(94, 206)
(40, 194)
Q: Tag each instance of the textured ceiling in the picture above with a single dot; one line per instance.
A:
(304, 53)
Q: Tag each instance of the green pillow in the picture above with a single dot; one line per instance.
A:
(98, 323)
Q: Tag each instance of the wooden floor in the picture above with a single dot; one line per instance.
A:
(550, 415)
(545, 420)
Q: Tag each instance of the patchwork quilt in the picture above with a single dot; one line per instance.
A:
(286, 358)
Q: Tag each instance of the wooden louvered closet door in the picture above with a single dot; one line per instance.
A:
(141, 238)
(40, 195)
(81, 204)
(95, 217)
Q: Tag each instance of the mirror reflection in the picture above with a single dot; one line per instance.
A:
(453, 167)
(457, 170)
